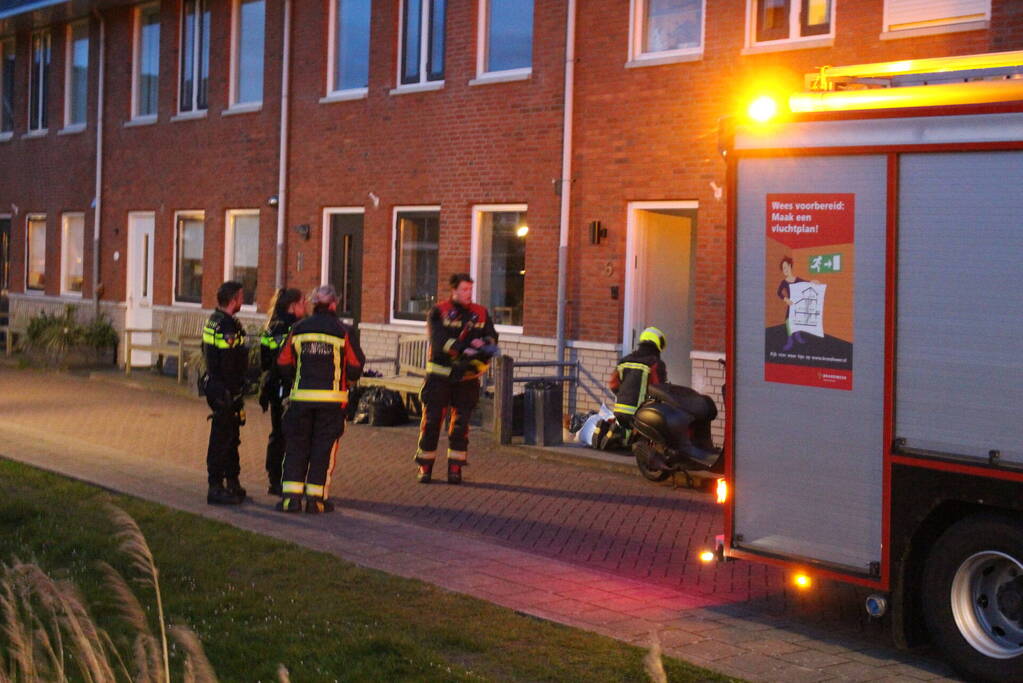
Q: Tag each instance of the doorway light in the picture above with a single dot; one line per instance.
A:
(522, 231)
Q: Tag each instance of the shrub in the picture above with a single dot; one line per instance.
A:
(55, 334)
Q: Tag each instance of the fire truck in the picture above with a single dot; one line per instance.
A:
(875, 327)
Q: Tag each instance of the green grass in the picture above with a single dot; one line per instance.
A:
(256, 602)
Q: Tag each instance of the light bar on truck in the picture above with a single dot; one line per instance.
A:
(973, 92)
(933, 65)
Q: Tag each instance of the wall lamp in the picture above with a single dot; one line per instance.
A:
(303, 230)
(597, 232)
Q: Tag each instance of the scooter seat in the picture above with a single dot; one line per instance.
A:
(696, 404)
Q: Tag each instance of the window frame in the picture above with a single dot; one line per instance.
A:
(332, 47)
(64, 263)
(29, 219)
(475, 244)
(7, 43)
(234, 104)
(394, 260)
(69, 66)
(229, 241)
(483, 48)
(425, 34)
(44, 75)
(637, 57)
(178, 215)
(202, 7)
(931, 26)
(816, 40)
(136, 59)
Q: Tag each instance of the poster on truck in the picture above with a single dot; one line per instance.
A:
(808, 292)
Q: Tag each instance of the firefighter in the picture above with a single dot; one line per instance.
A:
(287, 308)
(462, 341)
(227, 361)
(635, 372)
(321, 358)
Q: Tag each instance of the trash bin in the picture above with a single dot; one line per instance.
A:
(541, 424)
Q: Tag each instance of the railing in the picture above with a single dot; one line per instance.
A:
(505, 379)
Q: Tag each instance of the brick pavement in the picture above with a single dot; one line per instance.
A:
(595, 549)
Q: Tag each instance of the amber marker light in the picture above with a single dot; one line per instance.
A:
(722, 491)
(707, 556)
(763, 109)
(802, 581)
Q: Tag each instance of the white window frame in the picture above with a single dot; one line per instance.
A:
(136, 72)
(234, 104)
(334, 95)
(195, 111)
(419, 324)
(325, 243)
(43, 87)
(6, 43)
(790, 43)
(69, 126)
(933, 26)
(637, 57)
(477, 224)
(483, 47)
(186, 213)
(229, 228)
(30, 217)
(64, 263)
(424, 52)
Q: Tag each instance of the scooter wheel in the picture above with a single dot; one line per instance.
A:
(650, 474)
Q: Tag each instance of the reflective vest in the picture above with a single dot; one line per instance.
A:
(227, 358)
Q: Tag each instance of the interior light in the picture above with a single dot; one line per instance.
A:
(763, 109)
(802, 581)
(707, 556)
(522, 230)
(722, 491)
(522, 272)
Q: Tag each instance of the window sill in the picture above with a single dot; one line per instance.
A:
(345, 95)
(898, 34)
(39, 133)
(4, 137)
(140, 121)
(508, 76)
(248, 108)
(657, 60)
(417, 87)
(71, 295)
(186, 304)
(72, 129)
(34, 292)
(404, 322)
(786, 45)
(190, 115)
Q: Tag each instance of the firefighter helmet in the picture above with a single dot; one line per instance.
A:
(654, 336)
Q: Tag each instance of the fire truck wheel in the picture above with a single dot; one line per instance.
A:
(973, 597)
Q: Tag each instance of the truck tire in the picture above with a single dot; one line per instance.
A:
(972, 597)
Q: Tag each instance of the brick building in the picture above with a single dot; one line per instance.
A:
(417, 138)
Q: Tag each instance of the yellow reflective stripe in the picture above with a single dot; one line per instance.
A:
(325, 395)
(317, 337)
(624, 408)
(635, 366)
(293, 487)
(448, 344)
(314, 490)
(271, 342)
(435, 369)
(337, 369)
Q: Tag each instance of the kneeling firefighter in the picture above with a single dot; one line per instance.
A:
(321, 358)
(635, 372)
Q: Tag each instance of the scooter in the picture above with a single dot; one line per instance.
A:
(671, 433)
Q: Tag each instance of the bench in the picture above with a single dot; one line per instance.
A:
(11, 328)
(411, 354)
(180, 335)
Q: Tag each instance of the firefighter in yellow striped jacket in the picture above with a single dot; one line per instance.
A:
(635, 372)
(322, 358)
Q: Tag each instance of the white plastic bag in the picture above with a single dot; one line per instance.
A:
(585, 435)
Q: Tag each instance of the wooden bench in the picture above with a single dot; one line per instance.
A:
(411, 354)
(12, 328)
(180, 335)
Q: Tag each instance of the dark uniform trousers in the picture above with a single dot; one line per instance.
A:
(225, 437)
(275, 445)
(437, 396)
(311, 430)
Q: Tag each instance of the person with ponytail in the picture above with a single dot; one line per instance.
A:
(286, 308)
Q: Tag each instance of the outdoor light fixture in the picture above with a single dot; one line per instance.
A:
(272, 200)
(597, 232)
(522, 230)
(303, 230)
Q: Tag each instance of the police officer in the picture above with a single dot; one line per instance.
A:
(321, 358)
(462, 341)
(227, 361)
(635, 372)
(287, 307)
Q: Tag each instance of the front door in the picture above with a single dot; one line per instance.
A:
(344, 263)
(139, 314)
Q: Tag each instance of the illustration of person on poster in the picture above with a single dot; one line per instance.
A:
(805, 341)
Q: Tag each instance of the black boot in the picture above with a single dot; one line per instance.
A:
(218, 495)
(455, 471)
(289, 504)
(424, 475)
(235, 487)
(315, 506)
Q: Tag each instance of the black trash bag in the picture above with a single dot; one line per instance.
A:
(576, 422)
(355, 395)
(381, 407)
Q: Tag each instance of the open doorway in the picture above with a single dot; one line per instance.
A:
(659, 279)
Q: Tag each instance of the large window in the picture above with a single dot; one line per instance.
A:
(6, 85)
(506, 36)
(35, 256)
(76, 77)
(195, 55)
(188, 249)
(416, 244)
(146, 65)
(348, 70)
(666, 29)
(247, 56)
(241, 251)
(422, 41)
(916, 16)
(39, 81)
(499, 260)
(789, 19)
(72, 253)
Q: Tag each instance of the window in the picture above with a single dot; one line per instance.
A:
(928, 15)
(35, 257)
(195, 55)
(38, 82)
(416, 244)
(348, 69)
(241, 251)
(666, 28)
(76, 78)
(188, 249)
(773, 20)
(6, 86)
(72, 253)
(506, 36)
(422, 41)
(147, 61)
(247, 56)
(499, 260)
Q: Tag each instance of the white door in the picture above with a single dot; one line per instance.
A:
(658, 283)
(139, 313)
